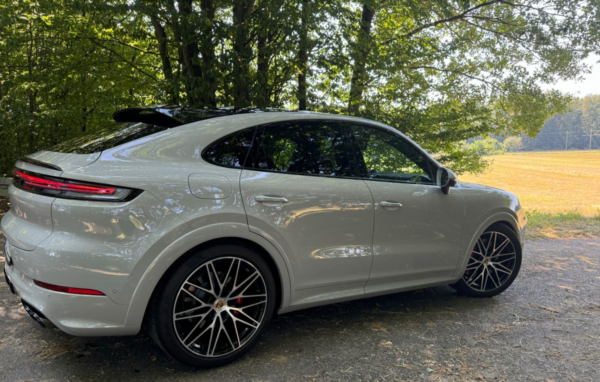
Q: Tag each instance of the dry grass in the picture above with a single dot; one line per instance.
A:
(560, 190)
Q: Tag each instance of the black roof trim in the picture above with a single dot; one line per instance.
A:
(172, 116)
(153, 116)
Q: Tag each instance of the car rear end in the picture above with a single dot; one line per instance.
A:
(77, 244)
(47, 264)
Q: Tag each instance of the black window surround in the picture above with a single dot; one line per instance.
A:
(352, 148)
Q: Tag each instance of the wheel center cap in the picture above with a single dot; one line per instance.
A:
(220, 304)
(486, 261)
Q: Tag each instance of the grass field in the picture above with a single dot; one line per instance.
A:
(560, 190)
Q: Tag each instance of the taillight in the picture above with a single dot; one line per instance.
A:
(64, 289)
(70, 189)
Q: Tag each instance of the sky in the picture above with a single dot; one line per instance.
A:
(589, 85)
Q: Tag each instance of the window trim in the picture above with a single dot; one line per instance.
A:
(350, 146)
(360, 159)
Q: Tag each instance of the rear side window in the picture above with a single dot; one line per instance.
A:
(232, 150)
(315, 148)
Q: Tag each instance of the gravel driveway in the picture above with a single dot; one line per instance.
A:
(544, 328)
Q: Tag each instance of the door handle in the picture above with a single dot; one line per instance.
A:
(386, 204)
(270, 199)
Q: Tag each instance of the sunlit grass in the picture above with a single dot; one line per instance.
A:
(562, 225)
(560, 190)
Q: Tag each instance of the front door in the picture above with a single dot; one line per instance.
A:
(299, 192)
(418, 229)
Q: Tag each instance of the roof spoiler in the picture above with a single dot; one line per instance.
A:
(152, 116)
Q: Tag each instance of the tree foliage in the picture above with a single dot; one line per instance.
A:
(441, 71)
(576, 129)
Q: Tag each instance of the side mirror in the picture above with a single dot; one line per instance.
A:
(446, 179)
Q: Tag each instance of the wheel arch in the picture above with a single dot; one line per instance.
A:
(199, 239)
(505, 218)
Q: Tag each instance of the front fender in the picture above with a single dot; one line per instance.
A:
(506, 216)
(187, 242)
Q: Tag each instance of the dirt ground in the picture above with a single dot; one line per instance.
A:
(544, 328)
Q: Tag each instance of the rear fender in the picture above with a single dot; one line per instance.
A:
(189, 241)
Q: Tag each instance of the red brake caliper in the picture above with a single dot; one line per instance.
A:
(238, 301)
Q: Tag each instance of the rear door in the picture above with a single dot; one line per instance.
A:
(299, 193)
(418, 229)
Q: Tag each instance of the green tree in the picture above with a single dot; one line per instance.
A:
(441, 71)
(512, 144)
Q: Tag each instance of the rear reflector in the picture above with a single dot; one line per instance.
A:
(69, 189)
(63, 289)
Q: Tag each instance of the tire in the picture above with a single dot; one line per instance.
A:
(487, 273)
(214, 306)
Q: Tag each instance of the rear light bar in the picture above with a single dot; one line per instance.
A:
(69, 189)
(63, 289)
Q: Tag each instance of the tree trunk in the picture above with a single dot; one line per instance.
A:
(190, 52)
(361, 54)
(263, 56)
(161, 37)
(242, 9)
(207, 49)
(303, 56)
(262, 74)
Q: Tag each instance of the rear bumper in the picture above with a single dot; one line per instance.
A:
(74, 314)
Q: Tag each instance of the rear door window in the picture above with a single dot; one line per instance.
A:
(304, 147)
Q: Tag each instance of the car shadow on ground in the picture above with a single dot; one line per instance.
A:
(293, 336)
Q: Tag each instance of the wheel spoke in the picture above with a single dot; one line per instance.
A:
(502, 268)
(195, 298)
(513, 254)
(500, 247)
(492, 245)
(484, 278)
(192, 316)
(228, 272)
(497, 276)
(489, 244)
(209, 327)
(251, 305)
(233, 321)
(190, 310)
(475, 273)
(491, 277)
(227, 334)
(209, 266)
(475, 279)
(202, 289)
(250, 278)
(253, 324)
(218, 331)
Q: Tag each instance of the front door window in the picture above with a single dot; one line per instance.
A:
(388, 157)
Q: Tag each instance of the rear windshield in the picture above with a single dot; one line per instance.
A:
(107, 138)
